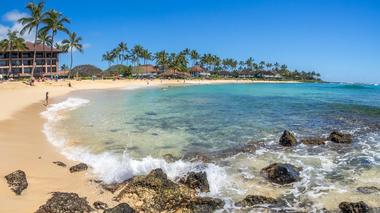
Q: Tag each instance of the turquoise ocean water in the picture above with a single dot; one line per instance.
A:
(122, 133)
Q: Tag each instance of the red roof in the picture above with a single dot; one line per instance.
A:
(196, 69)
(39, 48)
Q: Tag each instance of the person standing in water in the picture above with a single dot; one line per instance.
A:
(46, 98)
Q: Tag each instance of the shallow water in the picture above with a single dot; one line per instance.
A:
(125, 133)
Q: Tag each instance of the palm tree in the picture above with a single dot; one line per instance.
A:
(33, 22)
(194, 55)
(137, 53)
(73, 43)
(269, 66)
(249, 63)
(45, 39)
(109, 57)
(146, 56)
(12, 43)
(55, 22)
(122, 47)
(162, 59)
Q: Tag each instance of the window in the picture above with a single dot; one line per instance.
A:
(27, 70)
(3, 63)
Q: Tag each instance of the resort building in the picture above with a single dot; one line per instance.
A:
(20, 63)
(145, 71)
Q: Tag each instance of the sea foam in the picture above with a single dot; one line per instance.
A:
(111, 167)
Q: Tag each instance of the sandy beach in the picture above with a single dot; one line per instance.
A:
(23, 145)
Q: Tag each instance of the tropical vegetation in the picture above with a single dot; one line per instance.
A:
(184, 60)
(46, 26)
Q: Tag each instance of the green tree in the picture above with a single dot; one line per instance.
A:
(32, 22)
(109, 57)
(73, 43)
(55, 22)
(45, 39)
(162, 59)
(13, 43)
(194, 55)
(122, 49)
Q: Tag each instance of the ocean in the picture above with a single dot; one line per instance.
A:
(122, 133)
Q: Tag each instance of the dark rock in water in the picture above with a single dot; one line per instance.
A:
(59, 163)
(246, 148)
(338, 137)
(155, 193)
(155, 134)
(281, 173)
(205, 204)
(150, 113)
(62, 202)
(79, 167)
(288, 139)
(361, 162)
(121, 208)
(17, 181)
(196, 156)
(252, 200)
(313, 141)
(196, 180)
(368, 189)
(170, 158)
(359, 207)
(100, 205)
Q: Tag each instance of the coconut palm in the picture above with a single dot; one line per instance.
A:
(33, 22)
(45, 39)
(137, 52)
(55, 22)
(73, 42)
(12, 43)
(194, 55)
(249, 63)
(109, 57)
(162, 59)
(122, 47)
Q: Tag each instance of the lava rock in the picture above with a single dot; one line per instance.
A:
(169, 158)
(196, 180)
(78, 168)
(368, 189)
(63, 202)
(288, 139)
(281, 173)
(359, 207)
(313, 141)
(17, 181)
(196, 157)
(155, 193)
(121, 208)
(100, 205)
(59, 163)
(205, 204)
(252, 200)
(246, 148)
(338, 137)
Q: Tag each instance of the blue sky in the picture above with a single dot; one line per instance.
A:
(338, 38)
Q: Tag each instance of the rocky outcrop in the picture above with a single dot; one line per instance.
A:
(155, 193)
(121, 208)
(288, 139)
(196, 180)
(252, 200)
(100, 205)
(338, 137)
(78, 168)
(17, 181)
(59, 163)
(313, 141)
(359, 207)
(209, 157)
(281, 173)
(169, 158)
(62, 202)
(205, 204)
(368, 189)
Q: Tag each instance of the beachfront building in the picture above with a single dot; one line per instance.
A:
(267, 74)
(146, 71)
(246, 74)
(19, 63)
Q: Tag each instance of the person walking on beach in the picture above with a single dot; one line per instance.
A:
(46, 98)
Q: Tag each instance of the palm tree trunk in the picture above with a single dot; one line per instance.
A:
(34, 52)
(10, 63)
(51, 55)
(44, 70)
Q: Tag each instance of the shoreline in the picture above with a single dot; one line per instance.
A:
(32, 153)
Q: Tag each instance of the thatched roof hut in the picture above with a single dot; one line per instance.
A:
(171, 73)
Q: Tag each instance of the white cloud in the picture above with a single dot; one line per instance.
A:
(11, 18)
